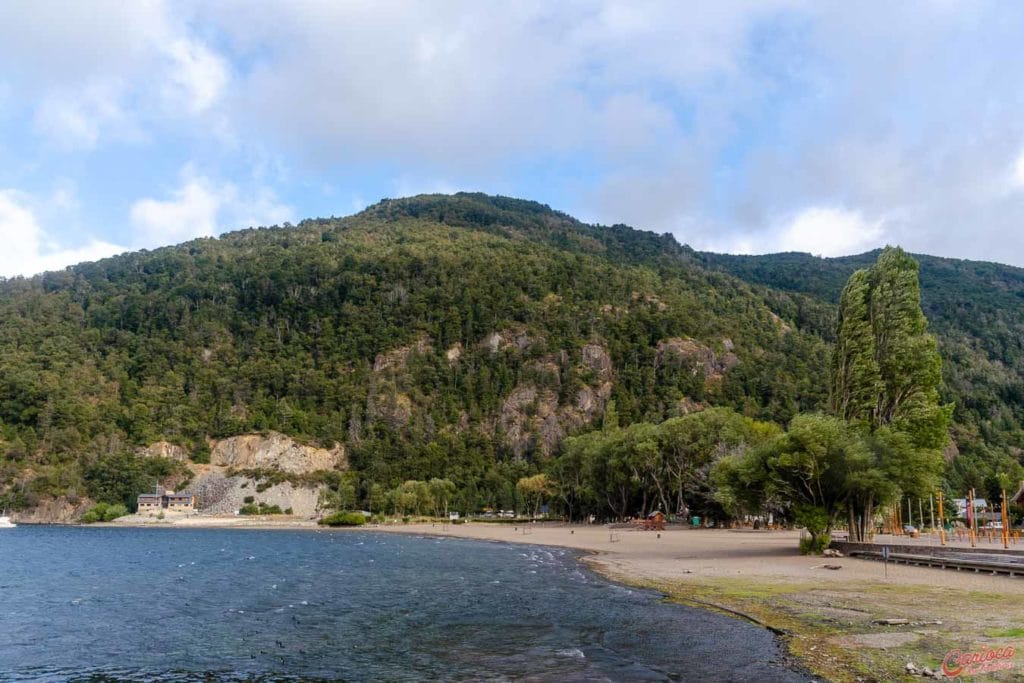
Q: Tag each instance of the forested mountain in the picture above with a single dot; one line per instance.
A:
(455, 336)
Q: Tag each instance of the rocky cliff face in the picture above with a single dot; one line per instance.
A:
(275, 452)
(220, 492)
(222, 486)
(702, 359)
(164, 449)
(55, 511)
(539, 411)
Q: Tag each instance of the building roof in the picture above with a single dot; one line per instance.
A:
(1018, 497)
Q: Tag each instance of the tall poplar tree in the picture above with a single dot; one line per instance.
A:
(856, 378)
(885, 376)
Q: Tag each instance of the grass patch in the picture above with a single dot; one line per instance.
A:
(814, 628)
(1006, 633)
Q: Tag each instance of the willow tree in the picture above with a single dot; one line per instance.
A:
(886, 372)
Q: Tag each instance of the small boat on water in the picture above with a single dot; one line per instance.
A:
(6, 523)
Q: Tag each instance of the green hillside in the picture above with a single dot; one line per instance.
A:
(462, 337)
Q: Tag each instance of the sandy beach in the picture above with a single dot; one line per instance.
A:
(826, 616)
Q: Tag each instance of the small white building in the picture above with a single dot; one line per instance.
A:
(961, 505)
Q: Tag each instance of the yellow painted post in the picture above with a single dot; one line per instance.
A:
(942, 527)
(1006, 523)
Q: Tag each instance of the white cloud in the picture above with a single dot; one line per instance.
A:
(191, 213)
(198, 76)
(86, 72)
(28, 250)
(73, 119)
(1017, 172)
(720, 122)
(201, 207)
(457, 86)
(826, 231)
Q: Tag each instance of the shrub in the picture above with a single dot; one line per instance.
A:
(289, 511)
(344, 519)
(201, 454)
(103, 512)
(91, 516)
(458, 521)
(114, 511)
(260, 509)
(249, 499)
(814, 545)
(816, 521)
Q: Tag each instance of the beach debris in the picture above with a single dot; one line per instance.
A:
(891, 622)
(831, 552)
(913, 670)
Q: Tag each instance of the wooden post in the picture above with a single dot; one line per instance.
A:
(970, 515)
(1006, 523)
(931, 511)
(942, 527)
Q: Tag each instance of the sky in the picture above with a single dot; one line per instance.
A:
(743, 127)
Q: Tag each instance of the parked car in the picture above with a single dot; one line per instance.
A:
(910, 530)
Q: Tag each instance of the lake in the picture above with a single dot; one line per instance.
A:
(109, 604)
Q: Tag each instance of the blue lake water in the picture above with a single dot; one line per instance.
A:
(105, 604)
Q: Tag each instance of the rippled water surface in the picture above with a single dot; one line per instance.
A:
(145, 604)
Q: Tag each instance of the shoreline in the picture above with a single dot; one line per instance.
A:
(824, 618)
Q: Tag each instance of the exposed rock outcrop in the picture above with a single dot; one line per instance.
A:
(393, 408)
(218, 493)
(596, 358)
(59, 510)
(396, 359)
(164, 449)
(783, 326)
(504, 340)
(687, 405)
(686, 351)
(528, 413)
(275, 451)
(587, 406)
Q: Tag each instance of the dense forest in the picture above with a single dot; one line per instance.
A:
(463, 338)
